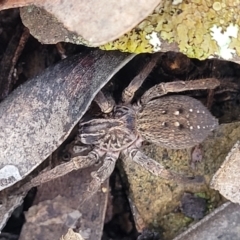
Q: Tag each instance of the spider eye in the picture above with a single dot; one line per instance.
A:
(97, 163)
(118, 112)
(66, 156)
(121, 111)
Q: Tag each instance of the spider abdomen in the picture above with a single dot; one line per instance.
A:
(175, 122)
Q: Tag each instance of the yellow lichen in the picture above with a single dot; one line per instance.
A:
(217, 6)
(188, 24)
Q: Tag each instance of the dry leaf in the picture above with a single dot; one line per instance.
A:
(226, 179)
(222, 223)
(8, 205)
(58, 207)
(98, 22)
(39, 115)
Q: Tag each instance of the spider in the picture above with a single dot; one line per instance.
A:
(175, 121)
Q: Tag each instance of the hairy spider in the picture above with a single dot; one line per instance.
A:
(173, 122)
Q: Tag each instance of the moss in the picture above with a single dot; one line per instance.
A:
(189, 24)
(156, 199)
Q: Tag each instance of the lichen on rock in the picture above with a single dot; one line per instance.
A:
(191, 25)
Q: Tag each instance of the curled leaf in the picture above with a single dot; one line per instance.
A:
(97, 22)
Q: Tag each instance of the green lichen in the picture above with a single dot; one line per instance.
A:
(188, 24)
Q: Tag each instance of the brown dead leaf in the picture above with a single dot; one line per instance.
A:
(97, 22)
(59, 206)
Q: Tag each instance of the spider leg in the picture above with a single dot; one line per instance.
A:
(101, 174)
(105, 102)
(75, 163)
(156, 168)
(134, 85)
(179, 86)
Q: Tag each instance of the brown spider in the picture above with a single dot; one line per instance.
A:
(173, 122)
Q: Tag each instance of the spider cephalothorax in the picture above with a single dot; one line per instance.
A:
(173, 122)
(113, 134)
